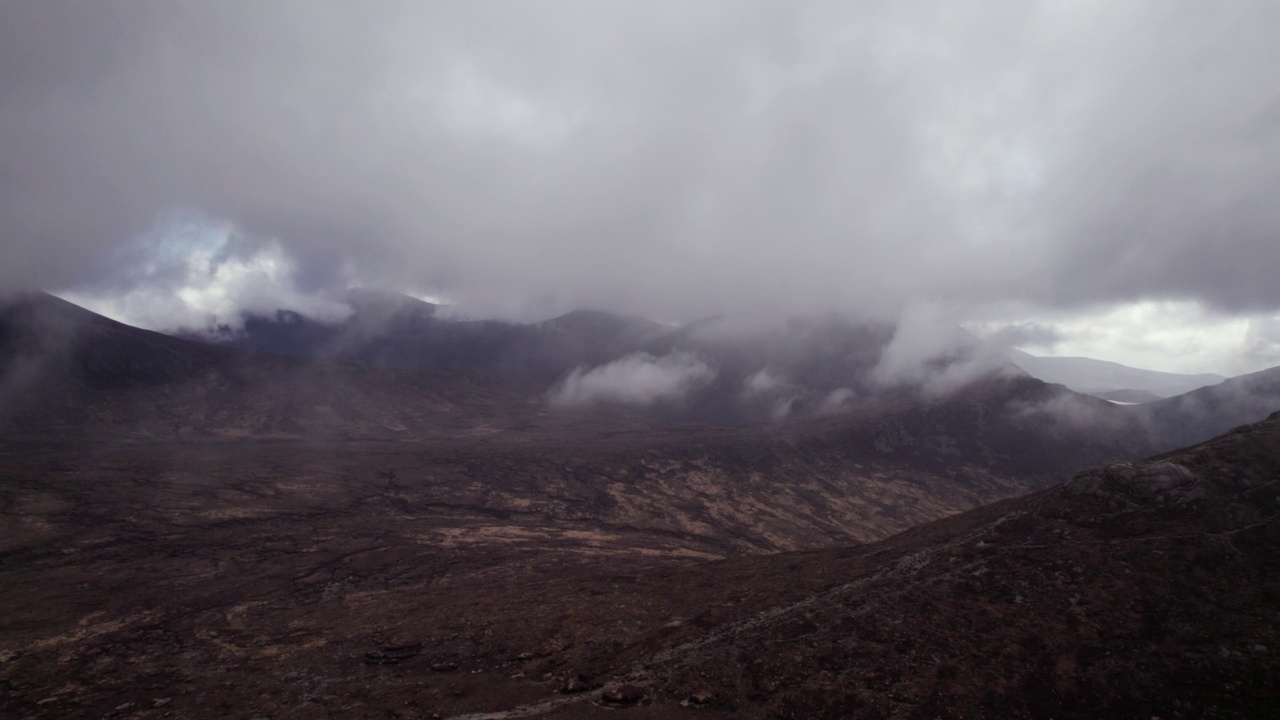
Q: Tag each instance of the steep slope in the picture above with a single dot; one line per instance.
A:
(1017, 426)
(801, 365)
(758, 372)
(1206, 412)
(1134, 590)
(392, 330)
(66, 370)
(1095, 377)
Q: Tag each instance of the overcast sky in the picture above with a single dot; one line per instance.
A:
(1101, 175)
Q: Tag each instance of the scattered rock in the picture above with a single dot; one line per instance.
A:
(553, 646)
(576, 684)
(444, 666)
(393, 654)
(702, 697)
(623, 695)
(1127, 482)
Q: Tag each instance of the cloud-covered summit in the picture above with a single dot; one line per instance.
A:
(668, 159)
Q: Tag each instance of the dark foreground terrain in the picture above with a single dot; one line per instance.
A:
(287, 580)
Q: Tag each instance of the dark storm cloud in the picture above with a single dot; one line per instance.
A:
(674, 159)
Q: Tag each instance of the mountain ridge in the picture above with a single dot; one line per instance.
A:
(1096, 377)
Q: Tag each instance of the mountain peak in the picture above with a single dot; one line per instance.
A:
(585, 319)
(372, 303)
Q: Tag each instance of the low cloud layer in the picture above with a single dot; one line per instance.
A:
(637, 379)
(762, 382)
(929, 349)
(668, 159)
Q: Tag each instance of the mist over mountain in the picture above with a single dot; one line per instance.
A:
(891, 359)
(396, 355)
(1215, 409)
(1098, 377)
(172, 161)
(64, 370)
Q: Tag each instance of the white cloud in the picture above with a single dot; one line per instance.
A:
(762, 382)
(1059, 153)
(781, 409)
(637, 379)
(931, 349)
(836, 400)
(192, 273)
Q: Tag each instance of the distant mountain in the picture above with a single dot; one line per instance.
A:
(1098, 377)
(64, 369)
(1209, 411)
(380, 306)
(393, 330)
(1184, 419)
(69, 363)
(1015, 426)
(752, 374)
(483, 373)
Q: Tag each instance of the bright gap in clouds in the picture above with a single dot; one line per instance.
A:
(1169, 336)
(193, 273)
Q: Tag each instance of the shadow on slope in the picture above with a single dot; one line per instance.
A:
(64, 369)
(1201, 414)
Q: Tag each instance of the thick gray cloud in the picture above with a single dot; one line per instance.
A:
(672, 159)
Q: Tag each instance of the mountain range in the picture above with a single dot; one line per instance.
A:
(1110, 380)
(404, 515)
